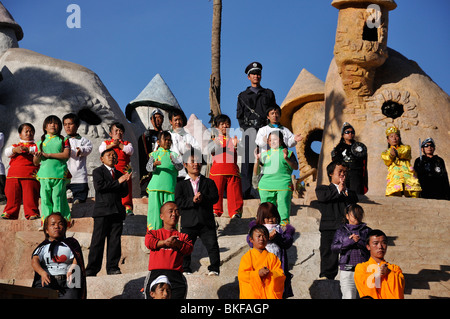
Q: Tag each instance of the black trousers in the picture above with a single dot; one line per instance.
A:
(329, 260)
(247, 163)
(209, 240)
(2, 187)
(355, 181)
(105, 228)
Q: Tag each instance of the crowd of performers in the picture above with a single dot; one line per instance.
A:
(170, 165)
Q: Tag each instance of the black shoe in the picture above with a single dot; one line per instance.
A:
(90, 273)
(114, 272)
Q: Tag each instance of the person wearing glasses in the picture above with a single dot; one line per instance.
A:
(432, 173)
(354, 154)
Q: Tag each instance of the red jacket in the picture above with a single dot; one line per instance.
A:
(122, 159)
(21, 165)
(225, 158)
(167, 258)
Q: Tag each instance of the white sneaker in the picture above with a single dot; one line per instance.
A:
(213, 273)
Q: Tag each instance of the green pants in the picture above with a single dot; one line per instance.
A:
(155, 200)
(282, 199)
(54, 198)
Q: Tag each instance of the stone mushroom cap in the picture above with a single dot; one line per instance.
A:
(389, 4)
(155, 94)
(6, 20)
(307, 88)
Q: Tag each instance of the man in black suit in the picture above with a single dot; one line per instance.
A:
(333, 199)
(110, 186)
(195, 197)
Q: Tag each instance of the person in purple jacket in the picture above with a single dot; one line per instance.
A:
(350, 242)
(280, 239)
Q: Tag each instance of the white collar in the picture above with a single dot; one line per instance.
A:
(109, 168)
(188, 177)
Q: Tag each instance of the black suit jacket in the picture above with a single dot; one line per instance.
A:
(194, 214)
(332, 205)
(108, 192)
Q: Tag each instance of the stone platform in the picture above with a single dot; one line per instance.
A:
(417, 230)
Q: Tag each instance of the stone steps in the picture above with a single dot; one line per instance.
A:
(417, 231)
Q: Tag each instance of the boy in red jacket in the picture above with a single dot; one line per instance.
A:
(225, 170)
(167, 249)
(124, 150)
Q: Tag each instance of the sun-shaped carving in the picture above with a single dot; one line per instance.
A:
(393, 107)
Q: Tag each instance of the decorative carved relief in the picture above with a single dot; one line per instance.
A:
(406, 120)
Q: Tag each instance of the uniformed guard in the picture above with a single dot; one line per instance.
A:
(251, 115)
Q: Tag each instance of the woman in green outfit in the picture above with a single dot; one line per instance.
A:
(164, 166)
(53, 175)
(275, 185)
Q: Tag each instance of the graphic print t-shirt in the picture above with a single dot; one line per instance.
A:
(62, 259)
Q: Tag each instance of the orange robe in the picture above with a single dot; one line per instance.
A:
(388, 287)
(251, 286)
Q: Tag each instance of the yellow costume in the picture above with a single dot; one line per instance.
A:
(251, 286)
(400, 171)
(391, 286)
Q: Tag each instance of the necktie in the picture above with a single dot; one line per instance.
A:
(195, 184)
(112, 174)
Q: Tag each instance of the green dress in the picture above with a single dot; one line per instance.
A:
(53, 175)
(161, 187)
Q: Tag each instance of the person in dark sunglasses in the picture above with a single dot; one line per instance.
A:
(354, 154)
(432, 173)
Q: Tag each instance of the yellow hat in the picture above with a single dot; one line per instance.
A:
(391, 130)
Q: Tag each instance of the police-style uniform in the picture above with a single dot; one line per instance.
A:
(251, 113)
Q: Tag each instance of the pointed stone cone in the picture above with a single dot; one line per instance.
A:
(306, 88)
(155, 94)
(6, 20)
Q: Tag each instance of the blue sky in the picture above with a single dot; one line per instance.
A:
(128, 42)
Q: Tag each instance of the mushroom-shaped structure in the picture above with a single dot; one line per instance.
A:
(155, 95)
(35, 85)
(7, 21)
(389, 4)
(10, 31)
(302, 111)
(400, 94)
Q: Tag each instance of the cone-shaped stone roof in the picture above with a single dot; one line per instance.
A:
(306, 88)
(155, 94)
(6, 20)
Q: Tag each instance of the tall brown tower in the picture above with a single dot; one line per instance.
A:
(361, 46)
(373, 86)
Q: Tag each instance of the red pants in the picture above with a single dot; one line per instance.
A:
(128, 200)
(18, 190)
(234, 194)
